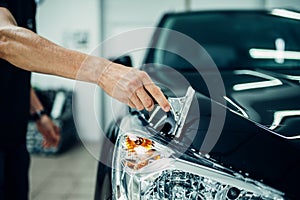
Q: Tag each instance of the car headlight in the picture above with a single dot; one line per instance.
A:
(145, 169)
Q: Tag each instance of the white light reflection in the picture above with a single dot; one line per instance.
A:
(271, 81)
(286, 13)
(280, 115)
(292, 77)
(280, 47)
(238, 107)
(274, 54)
(140, 150)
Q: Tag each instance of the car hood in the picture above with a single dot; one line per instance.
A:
(260, 132)
(243, 145)
(268, 98)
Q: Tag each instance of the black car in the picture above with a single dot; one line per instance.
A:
(233, 80)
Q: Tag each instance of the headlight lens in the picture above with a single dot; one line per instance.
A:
(147, 170)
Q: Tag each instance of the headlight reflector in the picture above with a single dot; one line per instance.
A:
(144, 169)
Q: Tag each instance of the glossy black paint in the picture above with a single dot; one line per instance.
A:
(251, 142)
(250, 149)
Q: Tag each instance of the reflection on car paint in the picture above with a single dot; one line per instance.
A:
(243, 112)
(285, 13)
(280, 115)
(271, 81)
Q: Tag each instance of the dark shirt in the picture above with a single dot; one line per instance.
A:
(15, 82)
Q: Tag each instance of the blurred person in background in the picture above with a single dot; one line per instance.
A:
(44, 123)
(21, 52)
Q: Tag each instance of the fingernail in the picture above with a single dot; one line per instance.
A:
(167, 108)
(150, 108)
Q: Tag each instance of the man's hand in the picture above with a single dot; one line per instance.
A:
(132, 86)
(49, 130)
(29, 51)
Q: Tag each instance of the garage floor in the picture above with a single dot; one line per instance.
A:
(69, 176)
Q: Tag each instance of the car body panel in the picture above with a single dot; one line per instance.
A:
(260, 136)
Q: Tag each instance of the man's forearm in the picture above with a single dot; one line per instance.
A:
(31, 52)
(35, 104)
(27, 50)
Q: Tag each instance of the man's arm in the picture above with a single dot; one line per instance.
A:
(31, 52)
(45, 125)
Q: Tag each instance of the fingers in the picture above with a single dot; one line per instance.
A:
(155, 92)
(140, 100)
(46, 144)
(145, 99)
(130, 104)
(57, 134)
(159, 97)
(136, 102)
(133, 87)
(52, 137)
(48, 141)
(50, 132)
(144, 92)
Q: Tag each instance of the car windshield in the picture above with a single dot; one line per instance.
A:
(241, 39)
